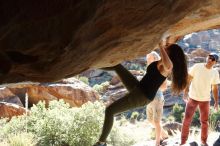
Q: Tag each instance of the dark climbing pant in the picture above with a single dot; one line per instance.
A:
(135, 98)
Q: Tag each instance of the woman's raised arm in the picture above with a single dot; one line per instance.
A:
(165, 60)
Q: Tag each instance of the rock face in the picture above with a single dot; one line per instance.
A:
(7, 96)
(52, 39)
(72, 91)
(8, 110)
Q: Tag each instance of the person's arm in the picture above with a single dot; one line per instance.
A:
(215, 94)
(165, 60)
(186, 90)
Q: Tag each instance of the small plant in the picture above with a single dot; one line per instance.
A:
(134, 117)
(84, 79)
(105, 85)
(178, 111)
(98, 88)
(22, 139)
(170, 119)
(214, 119)
(153, 134)
(4, 143)
(196, 119)
(122, 121)
(119, 137)
(102, 87)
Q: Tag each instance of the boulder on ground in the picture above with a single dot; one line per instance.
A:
(8, 110)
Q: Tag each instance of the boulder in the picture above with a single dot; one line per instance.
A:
(71, 90)
(8, 110)
(7, 96)
(48, 40)
(172, 127)
(199, 53)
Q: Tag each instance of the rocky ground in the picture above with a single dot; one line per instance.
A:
(142, 131)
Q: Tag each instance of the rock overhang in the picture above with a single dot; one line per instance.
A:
(50, 40)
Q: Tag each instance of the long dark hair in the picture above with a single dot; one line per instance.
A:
(179, 73)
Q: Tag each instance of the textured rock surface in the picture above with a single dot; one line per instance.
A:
(53, 39)
(7, 96)
(8, 110)
(73, 92)
(172, 127)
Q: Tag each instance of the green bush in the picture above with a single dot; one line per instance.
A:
(153, 134)
(86, 126)
(170, 119)
(59, 124)
(214, 118)
(196, 118)
(84, 79)
(98, 88)
(22, 139)
(134, 115)
(102, 87)
(119, 137)
(105, 84)
(178, 111)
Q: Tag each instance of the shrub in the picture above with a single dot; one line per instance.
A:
(153, 134)
(170, 119)
(178, 111)
(105, 85)
(196, 118)
(98, 88)
(119, 137)
(214, 119)
(59, 124)
(51, 125)
(102, 87)
(4, 143)
(22, 139)
(84, 79)
(86, 124)
(134, 115)
(214, 116)
(122, 121)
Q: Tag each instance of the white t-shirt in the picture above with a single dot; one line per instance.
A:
(203, 78)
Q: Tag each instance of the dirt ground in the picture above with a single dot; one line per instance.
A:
(142, 132)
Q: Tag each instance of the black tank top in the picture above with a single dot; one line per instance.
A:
(152, 80)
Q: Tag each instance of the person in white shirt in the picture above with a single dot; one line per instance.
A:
(203, 79)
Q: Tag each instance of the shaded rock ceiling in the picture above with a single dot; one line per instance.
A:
(53, 39)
